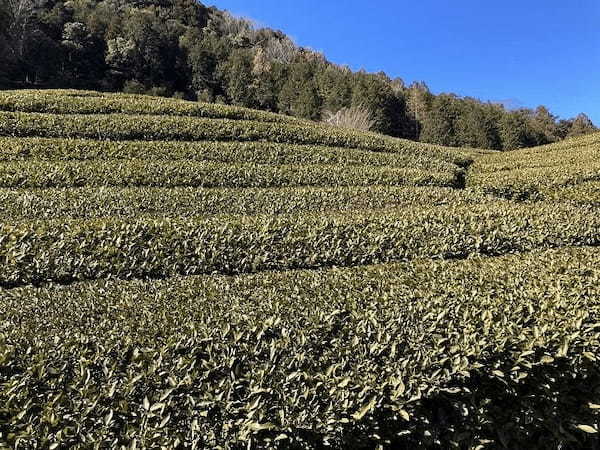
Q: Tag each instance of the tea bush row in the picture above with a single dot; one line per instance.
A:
(584, 193)
(65, 251)
(532, 158)
(45, 174)
(499, 352)
(160, 128)
(55, 102)
(567, 145)
(93, 202)
(534, 183)
(56, 149)
(538, 173)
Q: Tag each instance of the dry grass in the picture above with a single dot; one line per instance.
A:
(355, 117)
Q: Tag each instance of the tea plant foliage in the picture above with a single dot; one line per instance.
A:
(191, 275)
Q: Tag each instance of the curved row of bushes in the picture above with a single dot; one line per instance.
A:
(46, 174)
(157, 128)
(57, 149)
(419, 355)
(93, 202)
(539, 173)
(59, 102)
(66, 251)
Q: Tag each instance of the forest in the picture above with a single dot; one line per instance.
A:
(183, 49)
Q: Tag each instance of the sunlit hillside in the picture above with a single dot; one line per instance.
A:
(178, 274)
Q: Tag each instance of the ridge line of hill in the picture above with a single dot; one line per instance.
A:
(184, 49)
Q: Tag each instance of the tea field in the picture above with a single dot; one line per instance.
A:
(190, 275)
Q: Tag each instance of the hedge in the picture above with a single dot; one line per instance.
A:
(499, 352)
(66, 251)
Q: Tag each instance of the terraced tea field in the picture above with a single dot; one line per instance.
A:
(186, 275)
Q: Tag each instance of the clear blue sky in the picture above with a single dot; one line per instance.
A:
(523, 52)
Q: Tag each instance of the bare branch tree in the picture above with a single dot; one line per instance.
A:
(233, 26)
(281, 50)
(17, 21)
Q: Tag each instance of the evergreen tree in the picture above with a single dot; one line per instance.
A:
(545, 125)
(418, 102)
(298, 95)
(334, 87)
(439, 124)
(472, 127)
(239, 79)
(581, 125)
(388, 111)
(264, 72)
(514, 130)
(203, 55)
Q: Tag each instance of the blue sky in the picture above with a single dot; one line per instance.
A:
(523, 52)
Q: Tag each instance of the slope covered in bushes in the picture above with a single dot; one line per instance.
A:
(185, 275)
(566, 170)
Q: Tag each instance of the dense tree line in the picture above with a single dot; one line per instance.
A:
(182, 48)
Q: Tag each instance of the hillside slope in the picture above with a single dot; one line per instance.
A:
(182, 274)
(185, 49)
(568, 170)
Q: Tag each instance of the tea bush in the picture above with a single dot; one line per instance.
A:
(538, 173)
(33, 149)
(93, 202)
(45, 174)
(431, 354)
(187, 275)
(140, 127)
(56, 102)
(65, 251)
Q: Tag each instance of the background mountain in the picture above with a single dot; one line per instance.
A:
(182, 48)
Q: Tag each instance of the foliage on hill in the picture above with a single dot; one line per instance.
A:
(182, 48)
(541, 173)
(189, 275)
(443, 354)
